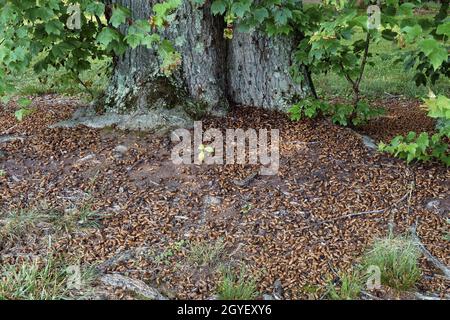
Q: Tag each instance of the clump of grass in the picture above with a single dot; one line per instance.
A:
(237, 286)
(398, 260)
(32, 280)
(13, 225)
(43, 279)
(349, 288)
(204, 254)
(16, 224)
(80, 217)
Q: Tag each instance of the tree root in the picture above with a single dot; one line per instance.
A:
(435, 261)
(137, 286)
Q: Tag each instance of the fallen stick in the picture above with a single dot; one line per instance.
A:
(352, 215)
(435, 261)
(7, 131)
(246, 181)
(359, 214)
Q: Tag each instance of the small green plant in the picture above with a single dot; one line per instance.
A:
(2, 173)
(203, 254)
(398, 260)
(237, 287)
(170, 251)
(311, 291)
(246, 208)
(341, 114)
(349, 287)
(310, 108)
(422, 147)
(203, 150)
(22, 113)
(24, 110)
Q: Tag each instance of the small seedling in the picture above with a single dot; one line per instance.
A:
(311, 291)
(246, 208)
(24, 111)
(170, 251)
(203, 150)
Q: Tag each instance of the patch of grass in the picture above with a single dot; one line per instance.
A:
(237, 286)
(16, 224)
(398, 260)
(50, 278)
(76, 218)
(204, 253)
(349, 288)
(13, 225)
(35, 280)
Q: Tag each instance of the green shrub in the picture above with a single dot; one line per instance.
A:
(422, 147)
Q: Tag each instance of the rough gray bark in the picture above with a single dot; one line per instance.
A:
(258, 70)
(249, 70)
(137, 85)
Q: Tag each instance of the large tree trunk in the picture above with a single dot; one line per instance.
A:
(258, 71)
(249, 70)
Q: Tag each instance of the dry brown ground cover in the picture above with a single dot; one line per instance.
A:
(289, 227)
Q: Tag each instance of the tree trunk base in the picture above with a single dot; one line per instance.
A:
(250, 70)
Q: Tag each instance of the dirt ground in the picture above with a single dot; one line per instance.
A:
(289, 227)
